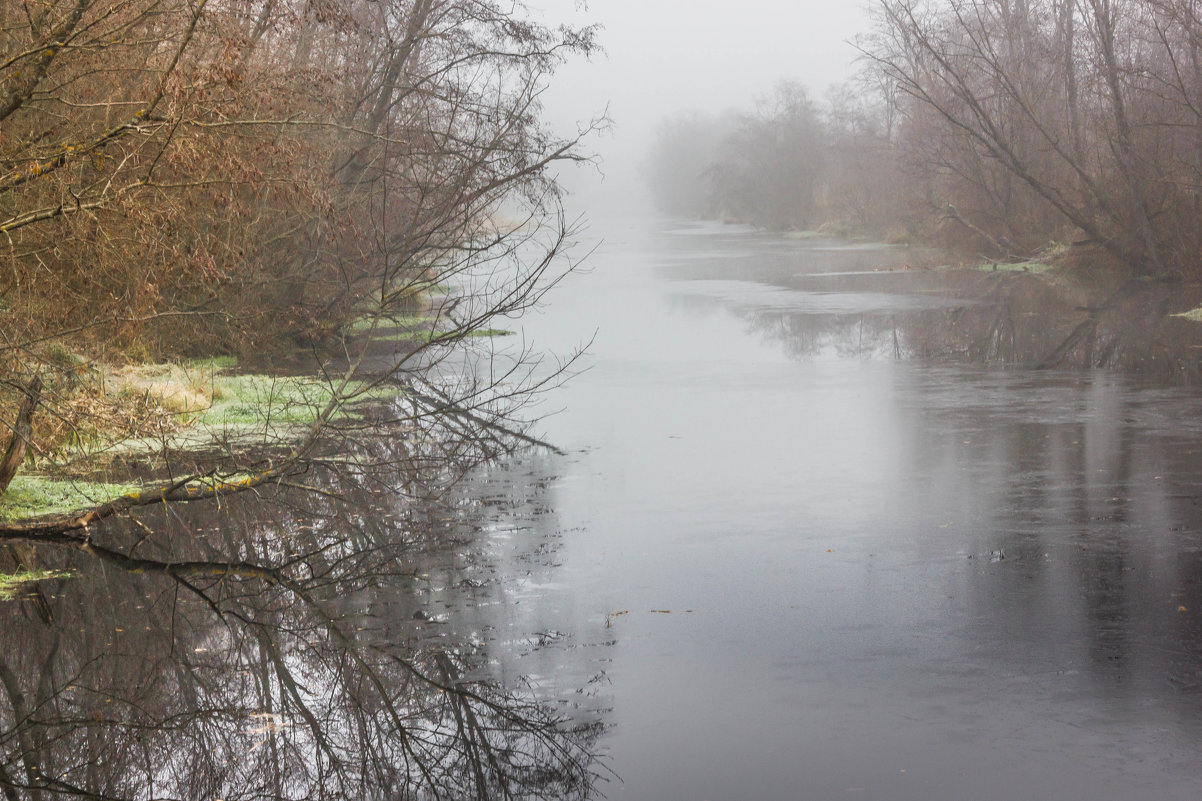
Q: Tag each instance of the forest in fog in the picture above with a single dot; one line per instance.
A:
(1002, 127)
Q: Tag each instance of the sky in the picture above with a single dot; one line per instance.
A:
(666, 56)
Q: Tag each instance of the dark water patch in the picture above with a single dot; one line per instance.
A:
(293, 646)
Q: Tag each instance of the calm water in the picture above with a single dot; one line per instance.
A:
(808, 567)
(781, 560)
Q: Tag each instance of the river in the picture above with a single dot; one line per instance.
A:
(790, 552)
(808, 566)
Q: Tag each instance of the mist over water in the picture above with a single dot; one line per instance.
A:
(806, 522)
(664, 58)
(812, 565)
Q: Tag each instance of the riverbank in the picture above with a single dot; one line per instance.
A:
(112, 428)
(1068, 307)
(1068, 313)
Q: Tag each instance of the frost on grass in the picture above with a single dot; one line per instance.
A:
(12, 584)
(190, 407)
(1193, 314)
(35, 496)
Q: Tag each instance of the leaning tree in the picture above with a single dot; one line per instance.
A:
(360, 186)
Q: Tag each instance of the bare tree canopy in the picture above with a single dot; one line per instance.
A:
(1004, 126)
(194, 179)
(153, 666)
(349, 198)
(1045, 116)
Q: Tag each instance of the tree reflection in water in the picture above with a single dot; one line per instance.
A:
(270, 648)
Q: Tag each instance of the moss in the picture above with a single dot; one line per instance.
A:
(1017, 267)
(35, 496)
(38, 496)
(12, 583)
(1193, 314)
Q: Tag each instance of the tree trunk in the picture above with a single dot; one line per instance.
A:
(22, 431)
(1123, 146)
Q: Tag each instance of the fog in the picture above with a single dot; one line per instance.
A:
(673, 55)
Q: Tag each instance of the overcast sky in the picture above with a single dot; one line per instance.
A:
(664, 56)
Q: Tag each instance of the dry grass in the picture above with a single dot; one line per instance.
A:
(175, 388)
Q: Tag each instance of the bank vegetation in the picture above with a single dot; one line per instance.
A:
(999, 127)
(260, 250)
(184, 179)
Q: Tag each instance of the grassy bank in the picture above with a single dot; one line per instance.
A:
(135, 413)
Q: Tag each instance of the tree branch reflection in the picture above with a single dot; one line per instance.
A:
(262, 650)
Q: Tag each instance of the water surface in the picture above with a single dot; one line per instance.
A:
(814, 567)
(786, 554)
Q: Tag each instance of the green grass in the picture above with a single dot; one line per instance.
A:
(223, 409)
(431, 288)
(439, 336)
(251, 408)
(212, 363)
(364, 324)
(421, 289)
(12, 583)
(34, 496)
(260, 399)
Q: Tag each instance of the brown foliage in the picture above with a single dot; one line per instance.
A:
(183, 177)
(1054, 119)
(252, 170)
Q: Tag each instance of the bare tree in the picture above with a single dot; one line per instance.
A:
(361, 187)
(1084, 105)
(188, 184)
(297, 670)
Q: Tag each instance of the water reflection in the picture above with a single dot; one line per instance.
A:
(911, 574)
(1094, 503)
(787, 556)
(1072, 497)
(823, 295)
(284, 647)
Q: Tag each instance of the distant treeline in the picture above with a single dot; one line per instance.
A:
(996, 125)
(790, 164)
